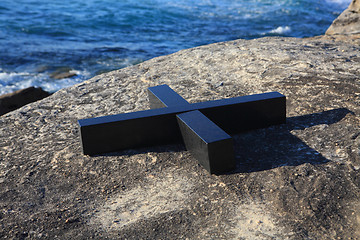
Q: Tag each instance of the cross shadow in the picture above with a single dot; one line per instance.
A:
(272, 147)
(267, 148)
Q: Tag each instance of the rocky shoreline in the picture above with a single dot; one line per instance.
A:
(299, 180)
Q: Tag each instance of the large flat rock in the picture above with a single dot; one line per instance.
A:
(299, 180)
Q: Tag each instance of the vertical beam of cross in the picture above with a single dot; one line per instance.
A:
(163, 96)
(207, 142)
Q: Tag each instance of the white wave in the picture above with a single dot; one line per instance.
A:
(8, 77)
(55, 85)
(281, 30)
(12, 81)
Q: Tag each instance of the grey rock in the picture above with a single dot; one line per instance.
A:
(14, 100)
(348, 23)
(294, 181)
(355, 6)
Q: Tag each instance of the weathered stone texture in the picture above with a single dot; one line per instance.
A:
(299, 180)
(348, 23)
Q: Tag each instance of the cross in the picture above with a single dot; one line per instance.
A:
(202, 126)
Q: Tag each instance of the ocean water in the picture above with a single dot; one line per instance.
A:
(85, 38)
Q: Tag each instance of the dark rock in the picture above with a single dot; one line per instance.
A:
(62, 72)
(17, 99)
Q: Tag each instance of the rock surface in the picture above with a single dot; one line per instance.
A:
(348, 22)
(62, 72)
(294, 181)
(299, 180)
(12, 101)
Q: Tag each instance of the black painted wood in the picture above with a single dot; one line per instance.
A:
(163, 96)
(159, 126)
(208, 143)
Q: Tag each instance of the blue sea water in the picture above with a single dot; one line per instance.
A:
(38, 37)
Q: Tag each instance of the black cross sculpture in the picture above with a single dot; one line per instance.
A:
(202, 126)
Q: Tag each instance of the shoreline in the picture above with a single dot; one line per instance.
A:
(343, 29)
(34, 65)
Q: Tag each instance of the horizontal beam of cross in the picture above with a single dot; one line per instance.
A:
(159, 126)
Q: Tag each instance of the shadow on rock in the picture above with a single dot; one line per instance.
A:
(267, 148)
(276, 146)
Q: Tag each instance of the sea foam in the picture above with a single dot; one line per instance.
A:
(280, 30)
